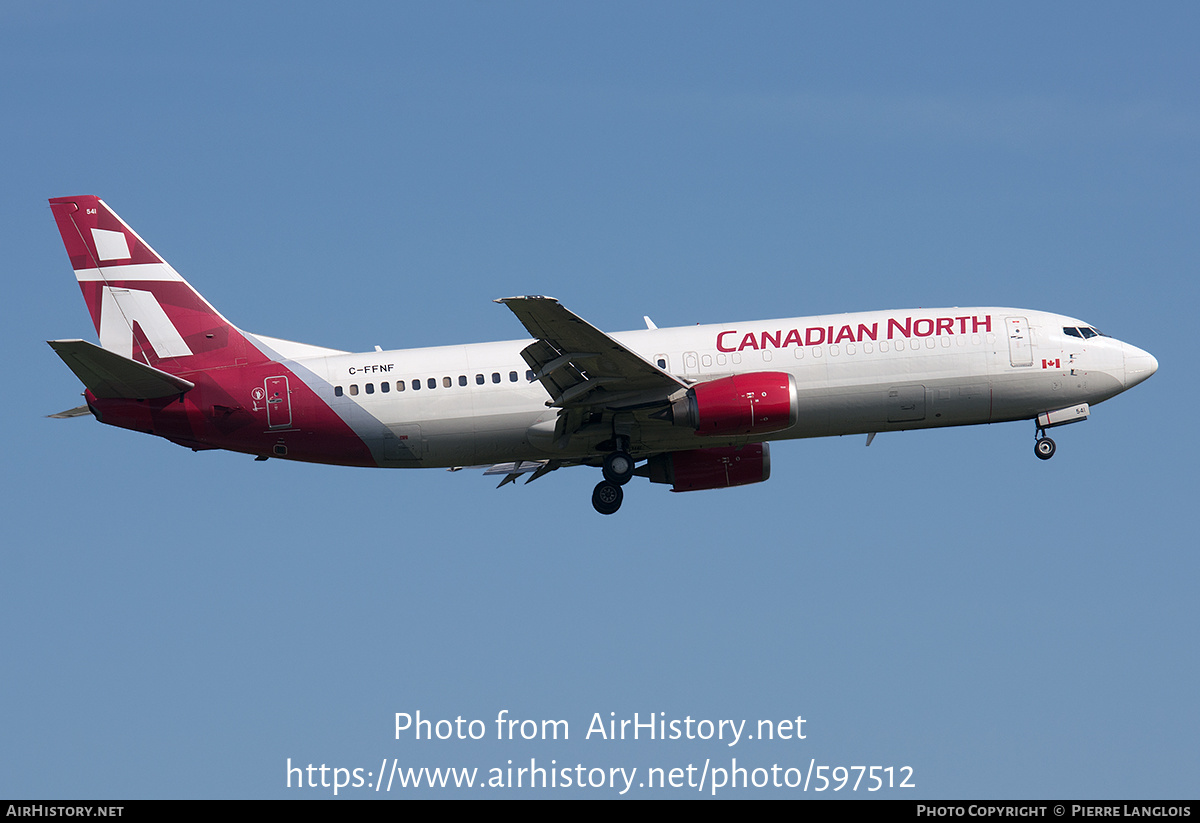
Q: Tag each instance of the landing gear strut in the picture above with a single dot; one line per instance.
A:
(607, 497)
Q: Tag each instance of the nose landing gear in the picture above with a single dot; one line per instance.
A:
(1044, 447)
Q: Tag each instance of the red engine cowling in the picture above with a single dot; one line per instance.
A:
(755, 403)
(717, 468)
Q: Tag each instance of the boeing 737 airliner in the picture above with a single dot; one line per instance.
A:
(695, 406)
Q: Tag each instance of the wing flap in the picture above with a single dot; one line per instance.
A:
(578, 364)
(111, 375)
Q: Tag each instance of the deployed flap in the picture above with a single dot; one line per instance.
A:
(111, 375)
(581, 366)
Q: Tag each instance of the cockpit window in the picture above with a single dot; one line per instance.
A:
(1071, 332)
(1088, 332)
(1083, 332)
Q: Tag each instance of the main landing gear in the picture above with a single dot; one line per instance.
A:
(618, 469)
(607, 497)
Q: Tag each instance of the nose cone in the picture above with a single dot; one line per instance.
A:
(1138, 365)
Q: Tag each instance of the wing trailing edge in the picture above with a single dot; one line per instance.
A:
(581, 366)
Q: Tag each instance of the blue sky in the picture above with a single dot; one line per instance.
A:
(179, 624)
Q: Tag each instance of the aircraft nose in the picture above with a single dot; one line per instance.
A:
(1138, 365)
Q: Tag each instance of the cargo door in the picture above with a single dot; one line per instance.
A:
(905, 403)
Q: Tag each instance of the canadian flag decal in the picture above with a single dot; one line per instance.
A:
(1050, 364)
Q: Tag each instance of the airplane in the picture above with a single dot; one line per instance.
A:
(695, 406)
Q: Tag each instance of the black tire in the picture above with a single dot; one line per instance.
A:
(607, 497)
(1044, 448)
(618, 467)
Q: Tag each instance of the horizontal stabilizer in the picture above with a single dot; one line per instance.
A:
(518, 468)
(512, 471)
(78, 411)
(111, 375)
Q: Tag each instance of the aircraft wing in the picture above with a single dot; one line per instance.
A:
(108, 374)
(581, 367)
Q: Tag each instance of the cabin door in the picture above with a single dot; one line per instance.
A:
(1020, 352)
(279, 403)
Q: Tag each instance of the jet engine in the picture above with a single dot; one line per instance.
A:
(716, 468)
(755, 403)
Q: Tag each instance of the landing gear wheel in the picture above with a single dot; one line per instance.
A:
(618, 467)
(1044, 448)
(607, 497)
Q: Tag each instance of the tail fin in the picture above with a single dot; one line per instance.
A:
(141, 307)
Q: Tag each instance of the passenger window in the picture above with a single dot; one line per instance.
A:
(512, 377)
(495, 377)
(479, 380)
(385, 387)
(462, 380)
(353, 389)
(529, 375)
(400, 385)
(431, 382)
(447, 382)
(662, 363)
(416, 385)
(337, 391)
(370, 388)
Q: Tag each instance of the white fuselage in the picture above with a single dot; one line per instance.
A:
(855, 373)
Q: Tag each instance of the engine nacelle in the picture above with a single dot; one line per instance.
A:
(716, 468)
(755, 403)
